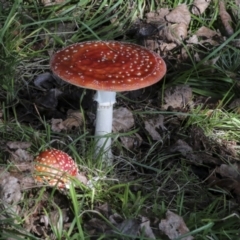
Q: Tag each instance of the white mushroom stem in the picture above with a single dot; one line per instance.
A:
(103, 128)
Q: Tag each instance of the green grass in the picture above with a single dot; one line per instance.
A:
(145, 181)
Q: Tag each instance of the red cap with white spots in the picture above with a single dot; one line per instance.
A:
(55, 168)
(108, 65)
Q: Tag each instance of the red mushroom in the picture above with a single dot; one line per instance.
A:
(55, 168)
(108, 67)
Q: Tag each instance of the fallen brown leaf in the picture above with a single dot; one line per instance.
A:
(177, 97)
(226, 18)
(206, 32)
(199, 6)
(10, 191)
(146, 229)
(122, 120)
(19, 158)
(180, 14)
(230, 171)
(52, 2)
(104, 209)
(152, 124)
(95, 226)
(227, 184)
(193, 39)
(212, 62)
(181, 147)
(16, 145)
(10, 195)
(74, 119)
(21, 155)
(129, 227)
(166, 47)
(82, 178)
(57, 125)
(174, 226)
(55, 218)
(131, 142)
(27, 182)
(157, 16)
(176, 32)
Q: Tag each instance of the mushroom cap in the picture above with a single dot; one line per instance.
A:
(55, 168)
(108, 65)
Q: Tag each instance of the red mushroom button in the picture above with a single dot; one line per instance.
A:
(55, 168)
(108, 67)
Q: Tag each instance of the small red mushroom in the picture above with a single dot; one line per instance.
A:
(108, 67)
(55, 168)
